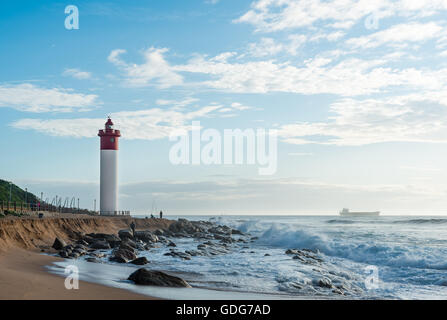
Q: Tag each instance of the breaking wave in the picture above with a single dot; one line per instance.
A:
(374, 252)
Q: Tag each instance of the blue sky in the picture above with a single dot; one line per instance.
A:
(355, 89)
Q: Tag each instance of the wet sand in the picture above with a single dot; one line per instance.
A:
(23, 276)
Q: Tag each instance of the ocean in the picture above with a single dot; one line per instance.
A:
(387, 257)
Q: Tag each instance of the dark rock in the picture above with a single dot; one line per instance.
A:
(110, 238)
(73, 255)
(157, 278)
(79, 251)
(146, 236)
(64, 254)
(140, 261)
(266, 255)
(158, 232)
(83, 243)
(129, 243)
(126, 246)
(292, 251)
(323, 282)
(92, 259)
(100, 244)
(96, 254)
(172, 244)
(235, 231)
(88, 239)
(184, 227)
(118, 259)
(59, 244)
(125, 234)
(123, 255)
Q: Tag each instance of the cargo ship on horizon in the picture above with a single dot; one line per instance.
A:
(346, 212)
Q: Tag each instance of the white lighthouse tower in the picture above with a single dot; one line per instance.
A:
(109, 169)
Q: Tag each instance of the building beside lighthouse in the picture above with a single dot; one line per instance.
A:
(109, 170)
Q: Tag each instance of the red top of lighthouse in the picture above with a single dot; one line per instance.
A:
(109, 136)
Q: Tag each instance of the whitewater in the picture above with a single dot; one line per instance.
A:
(409, 254)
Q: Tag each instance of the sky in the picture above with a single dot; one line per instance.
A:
(355, 90)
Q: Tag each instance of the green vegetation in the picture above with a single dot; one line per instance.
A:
(17, 194)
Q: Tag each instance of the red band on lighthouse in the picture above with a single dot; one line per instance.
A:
(109, 136)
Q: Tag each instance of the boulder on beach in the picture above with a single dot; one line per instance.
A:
(123, 256)
(146, 236)
(128, 243)
(127, 246)
(100, 244)
(140, 261)
(59, 244)
(184, 227)
(125, 234)
(157, 278)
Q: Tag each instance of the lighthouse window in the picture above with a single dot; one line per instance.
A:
(112, 139)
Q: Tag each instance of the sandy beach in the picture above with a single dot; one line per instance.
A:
(23, 268)
(23, 277)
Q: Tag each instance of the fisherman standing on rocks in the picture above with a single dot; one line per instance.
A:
(132, 226)
(161, 214)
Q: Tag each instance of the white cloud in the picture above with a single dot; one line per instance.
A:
(266, 47)
(332, 36)
(270, 47)
(349, 77)
(31, 98)
(77, 74)
(275, 15)
(147, 124)
(239, 106)
(411, 118)
(176, 103)
(154, 71)
(398, 35)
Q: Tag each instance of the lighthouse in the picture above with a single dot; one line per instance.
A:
(109, 169)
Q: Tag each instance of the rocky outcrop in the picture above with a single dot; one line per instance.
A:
(157, 278)
(100, 244)
(125, 234)
(305, 256)
(123, 255)
(146, 236)
(183, 226)
(59, 244)
(140, 261)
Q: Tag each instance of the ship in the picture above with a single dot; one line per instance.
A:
(346, 212)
